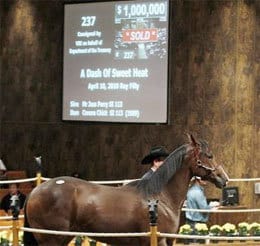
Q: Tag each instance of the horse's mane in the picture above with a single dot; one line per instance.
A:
(155, 183)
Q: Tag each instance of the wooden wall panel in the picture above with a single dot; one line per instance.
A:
(214, 92)
(179, 43)
(256, 132)
(245, 97)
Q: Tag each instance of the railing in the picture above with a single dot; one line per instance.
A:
(153, 233)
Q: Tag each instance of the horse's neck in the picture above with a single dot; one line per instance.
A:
(177, 187)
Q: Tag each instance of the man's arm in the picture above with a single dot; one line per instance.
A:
(201, 201)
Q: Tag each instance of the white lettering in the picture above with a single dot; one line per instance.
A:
(74, 104)
(140, 73)
(74, 112)
(121, 73)
(82, 74)
(93, 73)
(88, 113)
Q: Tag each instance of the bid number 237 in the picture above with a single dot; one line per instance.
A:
(88, 20)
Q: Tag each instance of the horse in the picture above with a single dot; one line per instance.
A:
(71, 204)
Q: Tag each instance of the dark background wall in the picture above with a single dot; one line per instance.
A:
(214, 93)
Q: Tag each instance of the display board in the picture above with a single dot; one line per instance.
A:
(115, 66)
(230, 196)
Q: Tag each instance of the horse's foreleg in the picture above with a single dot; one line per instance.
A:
(162, 242)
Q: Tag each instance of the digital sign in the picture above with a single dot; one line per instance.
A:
(115, 66)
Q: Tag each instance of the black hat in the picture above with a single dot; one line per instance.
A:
(155, 152)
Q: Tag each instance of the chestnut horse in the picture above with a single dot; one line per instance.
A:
(70, 204)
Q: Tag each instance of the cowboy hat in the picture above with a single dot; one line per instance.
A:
(155, 152)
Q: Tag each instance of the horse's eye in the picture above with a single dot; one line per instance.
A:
(210, 156)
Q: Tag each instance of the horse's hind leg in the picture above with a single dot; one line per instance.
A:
(169, 242)
(143, 242)
(52, 240)
(163, 242)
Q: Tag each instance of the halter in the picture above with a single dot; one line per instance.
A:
(211, 169)
(200, 164)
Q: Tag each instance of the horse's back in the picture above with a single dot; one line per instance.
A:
(57, 189)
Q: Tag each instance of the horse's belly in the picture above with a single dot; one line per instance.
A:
(125, 241)
(113, 213)
(117, 224)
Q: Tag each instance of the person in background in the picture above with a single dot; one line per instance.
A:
(196, 199)
(3, 175)
(13, 191)
(155, 158)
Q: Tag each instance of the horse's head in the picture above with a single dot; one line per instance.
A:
(204, 165)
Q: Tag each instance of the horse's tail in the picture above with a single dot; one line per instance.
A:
(28, 237)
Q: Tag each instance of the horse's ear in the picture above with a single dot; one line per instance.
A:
(192, 140)
(188, 136)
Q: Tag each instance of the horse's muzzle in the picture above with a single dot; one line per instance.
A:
(220, 182)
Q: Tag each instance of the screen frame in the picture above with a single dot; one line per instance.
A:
(228, 201)
(167, 97)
